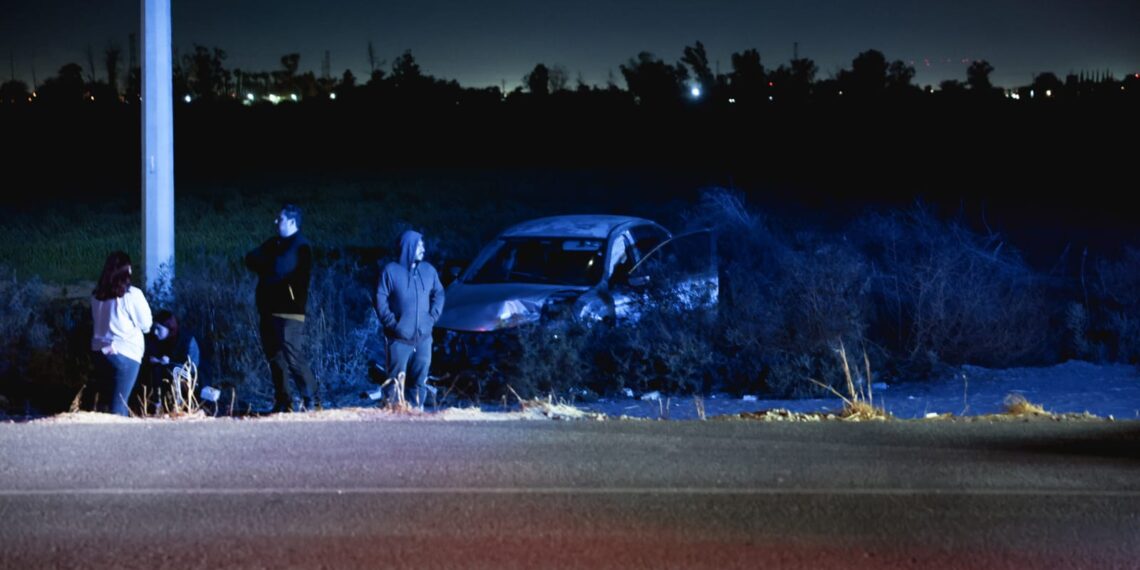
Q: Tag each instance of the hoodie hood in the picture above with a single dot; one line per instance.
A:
(408, 242)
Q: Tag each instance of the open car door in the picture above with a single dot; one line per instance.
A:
(679, 274)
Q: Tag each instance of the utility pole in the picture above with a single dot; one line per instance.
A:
(158, 145)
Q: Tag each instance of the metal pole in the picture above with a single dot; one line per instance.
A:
(158, 146)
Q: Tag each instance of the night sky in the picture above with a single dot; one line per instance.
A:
(487, 43)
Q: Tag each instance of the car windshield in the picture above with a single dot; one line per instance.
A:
(559, 261)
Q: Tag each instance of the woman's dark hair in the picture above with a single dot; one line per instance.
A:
(166, 318)
(115, 280)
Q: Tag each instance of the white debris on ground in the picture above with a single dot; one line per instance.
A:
(86, 418)
(1069, 391)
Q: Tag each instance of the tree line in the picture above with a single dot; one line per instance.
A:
(201, 76)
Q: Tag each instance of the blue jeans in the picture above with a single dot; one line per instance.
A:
(413, 360)
(115, 375)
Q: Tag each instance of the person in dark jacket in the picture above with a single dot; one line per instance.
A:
(409, 300)
(283, 265)
(167, 352)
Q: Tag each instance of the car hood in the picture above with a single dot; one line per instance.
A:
(477, 307)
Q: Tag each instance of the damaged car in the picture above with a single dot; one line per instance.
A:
(585, 268)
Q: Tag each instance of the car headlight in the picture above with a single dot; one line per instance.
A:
(592, 309)
(517, 312)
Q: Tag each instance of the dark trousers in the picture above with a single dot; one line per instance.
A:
(115, 375)
(283, 341)
(413, 360)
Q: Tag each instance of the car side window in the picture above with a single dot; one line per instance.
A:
(647, 237)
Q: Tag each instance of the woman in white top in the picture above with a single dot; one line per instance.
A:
(122, 316)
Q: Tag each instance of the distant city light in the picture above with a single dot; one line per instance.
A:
(1015, 96)
(1032, 94)
(293, 96)
(249, 96)
(770, 98)
(273, 98)
(186, 98)
(332, 96)
(1048, 92)
(695, 91)
(731, 100)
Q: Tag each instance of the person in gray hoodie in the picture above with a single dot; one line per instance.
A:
(409, 300)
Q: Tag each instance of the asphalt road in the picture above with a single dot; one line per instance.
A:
(414, 494)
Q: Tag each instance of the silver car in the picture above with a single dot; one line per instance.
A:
(589, 267)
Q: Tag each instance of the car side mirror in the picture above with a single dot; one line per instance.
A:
(639, 281)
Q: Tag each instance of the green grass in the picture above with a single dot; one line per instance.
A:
(458, 210)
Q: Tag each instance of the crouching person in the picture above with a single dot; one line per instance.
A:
(167, 352)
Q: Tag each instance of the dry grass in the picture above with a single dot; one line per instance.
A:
(779, 415)
(1017, 405)
(540, 408)
(77, 401)
(859, 403)
(172, 403)
(699, 404)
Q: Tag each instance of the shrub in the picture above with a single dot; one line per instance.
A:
(784, 300)
(947, 295)
(45, 338)
(217, 301)
(1115, 319)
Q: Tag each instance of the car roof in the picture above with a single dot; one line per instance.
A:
(577, 226)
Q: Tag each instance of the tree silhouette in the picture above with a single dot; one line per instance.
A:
(978, 78)
(205, 77)
(405, 69)
(653, 82)
(14, 91)
(793, 82)
(112, 57)
(285, 79)
(559, 78)
(66, 87)
(90, 64)
(899, 77)
(748, 82)
(868, 76)
(952, 88)
(1046, 85)
(698, 62)
(348, 80)
(538, 81)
